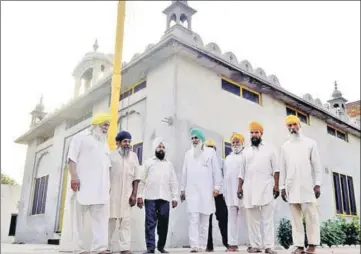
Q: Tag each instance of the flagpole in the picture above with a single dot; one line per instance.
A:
(117, 75)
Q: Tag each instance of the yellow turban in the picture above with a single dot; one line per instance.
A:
(210, 142)
(291, 119)
(255, 126)
(100, 118)
(238, 136)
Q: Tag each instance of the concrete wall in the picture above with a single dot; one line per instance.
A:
(10, 197)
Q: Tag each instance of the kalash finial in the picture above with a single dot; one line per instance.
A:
(335, 85)
(95, 45)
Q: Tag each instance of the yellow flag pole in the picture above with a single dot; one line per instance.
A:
(117, 75)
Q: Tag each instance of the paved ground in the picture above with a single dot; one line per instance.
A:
(51, 249)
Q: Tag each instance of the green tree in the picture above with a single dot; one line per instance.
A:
(5, 179)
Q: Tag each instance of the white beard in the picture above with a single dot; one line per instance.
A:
(295, 135)
(237, 149)
(197, 149)
(98, 134)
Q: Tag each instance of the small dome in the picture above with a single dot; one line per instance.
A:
(336, 93)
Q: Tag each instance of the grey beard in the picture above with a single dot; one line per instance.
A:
(197, 149)
(124, 151)
(98, 134)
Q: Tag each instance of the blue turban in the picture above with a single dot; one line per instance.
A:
(123, 135)
(198, 133)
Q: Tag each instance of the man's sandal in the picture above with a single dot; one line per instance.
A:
(298, 251)
(270, 251)
(254, 250)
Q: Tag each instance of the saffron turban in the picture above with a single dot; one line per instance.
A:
(100, 118)
(255, 126)
(292, 119)
(210, 142)
(198, 133)
(238, 136)
(123, 135)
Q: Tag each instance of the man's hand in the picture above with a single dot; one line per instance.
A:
(276, 191)
(140, 203)
(215, 193)
(75, 184)
(240, 193)
(284, 195)
(182, 196)
(174, 204)
(317, 190)
(132, 200)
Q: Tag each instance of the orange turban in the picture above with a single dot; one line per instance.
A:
(238, 136)
(291, 119)
(255, 126)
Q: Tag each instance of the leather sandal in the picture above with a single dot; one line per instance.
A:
(270, 251)
(298, 251)
(254, 250)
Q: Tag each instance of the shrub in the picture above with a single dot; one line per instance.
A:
(331, 233)
(351, 230)
(284, 233)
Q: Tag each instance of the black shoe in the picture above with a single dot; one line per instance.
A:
(162, 251)
(149, 251)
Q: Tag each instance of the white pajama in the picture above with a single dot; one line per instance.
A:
(99, 221)
(198, 230)
(242, 213)
(233, 224)
(254, 216)
(311, 215)
(123, 232)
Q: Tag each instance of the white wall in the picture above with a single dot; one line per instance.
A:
(204, 103)
(10, 197)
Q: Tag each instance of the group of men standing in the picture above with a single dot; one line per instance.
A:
(242, 187)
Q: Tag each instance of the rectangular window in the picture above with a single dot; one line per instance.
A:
(337, 191)
(304, 118)
(232, 88)
(344, 194)
(125, 94)
(141, 86)
(241, 91)
(351, 196)
(290, 111)
(331, 131)
(227, 149)
(334, 132)
(40, 191)
(251, 96)
(138, 149)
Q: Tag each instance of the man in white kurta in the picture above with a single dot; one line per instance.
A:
(159, 188)
(124, 179)
(89, 164)
(201, 179)
(300, 181)
(258, 187)
(231, 170)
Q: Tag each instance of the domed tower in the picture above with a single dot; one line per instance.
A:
(179, 12)
(338, 101)
(38, 113)
(91, 69)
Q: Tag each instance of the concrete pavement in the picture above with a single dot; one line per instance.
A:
(52, 249)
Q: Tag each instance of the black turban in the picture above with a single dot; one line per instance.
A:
(123, 135)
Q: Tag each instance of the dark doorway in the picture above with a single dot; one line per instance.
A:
(13, 220)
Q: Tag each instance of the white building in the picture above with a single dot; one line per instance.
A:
(176, 84)
(10, 197)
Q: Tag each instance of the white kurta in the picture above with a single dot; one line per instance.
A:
(201, 175)
(159, 181)
(232, 166)
(124, 171)
(300, 169)
(257, 171)
(92, 166)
